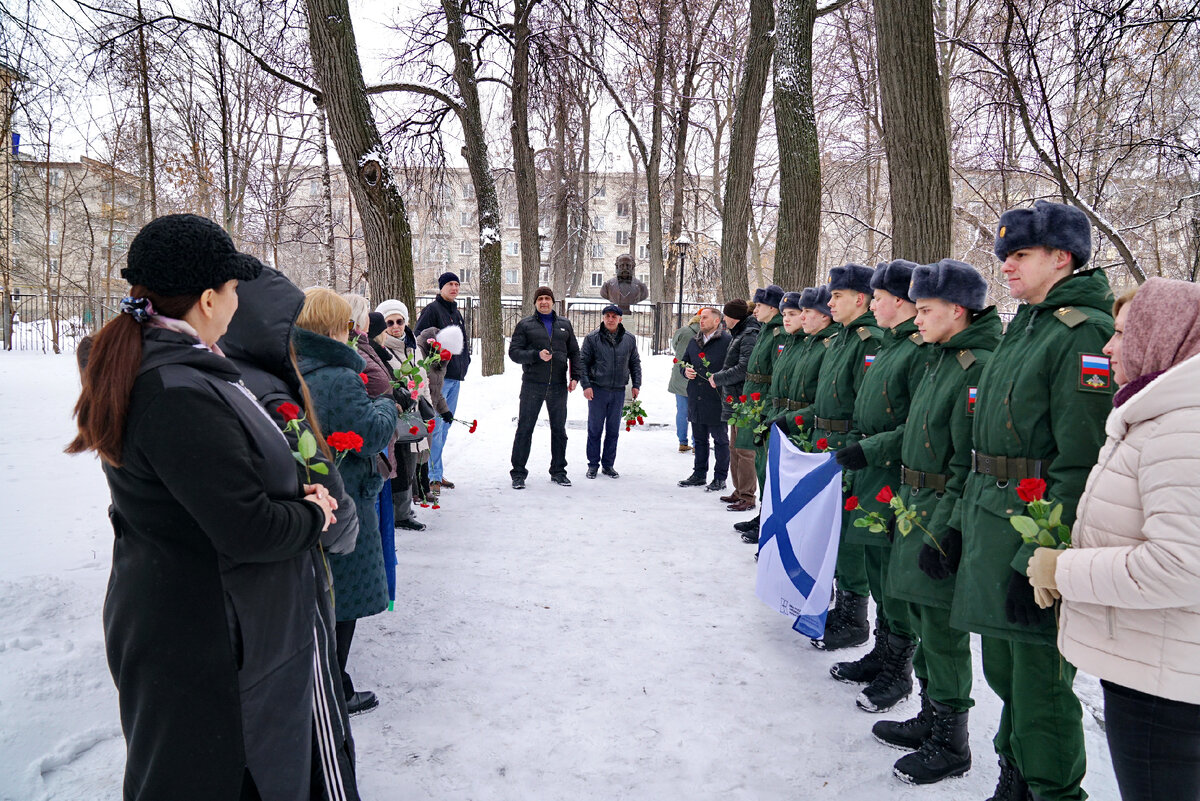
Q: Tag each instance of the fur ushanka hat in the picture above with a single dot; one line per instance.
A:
(1051, 225)
(817, 299)
(854, 277)
(893, 277)
(949, 280)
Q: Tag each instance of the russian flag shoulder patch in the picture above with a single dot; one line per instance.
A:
(972, 399)
(868, 360)
(1095, 372)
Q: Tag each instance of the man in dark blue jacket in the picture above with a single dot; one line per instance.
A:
(705, 355)
(544, 345)
(443, 311)
(610, 358)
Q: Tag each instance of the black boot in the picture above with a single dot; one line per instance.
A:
(748, 525)
(907, 734)
(894, 683)
(849, 627)
(694, 480)
(946, 753)
(865, 669)
(1011, 786)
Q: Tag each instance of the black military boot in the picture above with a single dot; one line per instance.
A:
(865, 669)
(894, 682)
(946, 753)
(1011, 786)
(849, 627)
(907, 734)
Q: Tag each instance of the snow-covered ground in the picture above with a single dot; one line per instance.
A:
(601, 641)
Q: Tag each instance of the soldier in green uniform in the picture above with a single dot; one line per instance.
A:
(842, 372)
(1040, 411)
(880, 412)
(758, 379)
(936, 454)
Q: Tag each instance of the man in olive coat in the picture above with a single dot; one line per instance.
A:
(1039, 413)
(960, 335)
(843, 369)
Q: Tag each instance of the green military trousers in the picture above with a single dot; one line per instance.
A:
(760, 467)
(851, 570)
(1041, 724)
(891, 610)
(943, 658)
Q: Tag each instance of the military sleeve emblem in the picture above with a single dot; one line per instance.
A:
(779, 349)
(972, 398)
(868, 360)
(1095, 372)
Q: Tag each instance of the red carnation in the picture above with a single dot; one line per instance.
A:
(675, 361)
(474, 425)
(799, 419)
(885, 495)
(363, 376)
(345, 441)
(851, 503)
(437, 506)
(1031, 489)
(755, 396)
(289, 411)
(701, 354)
(447, 355)
(429, 426)
(414, 430)
(641, 422)
(435, 345)
(822, 444)
(628, 428)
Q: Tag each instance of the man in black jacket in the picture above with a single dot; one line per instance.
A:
(545, 345)
(610, 358)
(705, 355)
(443, 311)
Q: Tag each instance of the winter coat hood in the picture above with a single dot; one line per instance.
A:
(261, 330)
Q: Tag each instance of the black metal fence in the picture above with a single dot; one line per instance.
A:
(52, 323)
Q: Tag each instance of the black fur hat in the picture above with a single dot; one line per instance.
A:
(185, 254)
(893, 277)
(772, 295)
(817, 299)
(952, 281)
(791, 300)
(1051, 225)
(854, 277)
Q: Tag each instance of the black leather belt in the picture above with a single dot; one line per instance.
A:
(790, 405)
(758, 378)
(1006, 468)
(834, 426)
(917, 479)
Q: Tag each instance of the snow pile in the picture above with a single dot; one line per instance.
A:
(601, 641)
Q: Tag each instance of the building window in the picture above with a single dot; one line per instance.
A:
(54, 177)
(622, 208)
(513, 248)
(623, 238)
(53, 237)
(510, 276)
(644, 225)
(465, 274)
(465, 218)
(643, 251)
(511, 219)
(314, 187)
(597, 250)
(468, 192)
(544, 275)
(464, 247)
(644, 278)
(597, 279)
(597, 223)
(601, 191)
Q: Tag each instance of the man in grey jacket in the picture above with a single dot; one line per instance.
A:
(609, 359)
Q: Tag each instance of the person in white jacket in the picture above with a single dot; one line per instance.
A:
(1130, 583)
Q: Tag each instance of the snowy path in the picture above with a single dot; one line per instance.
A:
(601, 641)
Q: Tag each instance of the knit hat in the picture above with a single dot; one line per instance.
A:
(736, 309)
(949, 280)
(791, 300)
(392, 306)
(893, 277)
(817, 299)
(854, 277)
(446, 278)
(1051, 225)
(772, 295)
(543, 290)
(612, 308)
(185, 254)
(375, 324)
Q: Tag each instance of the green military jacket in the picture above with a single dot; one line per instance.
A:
(842, 372)
(795, 377)
(937, 440)
(1038, 399)
(880, 411)
(767, 349)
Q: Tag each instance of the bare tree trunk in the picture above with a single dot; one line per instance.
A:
(325, 277)
(660, 281)
(743, 141)
(147, 130)
(798, 238)
(352, 126)
(914, 130)
(524, 171)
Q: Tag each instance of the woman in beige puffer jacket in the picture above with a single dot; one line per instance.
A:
(1130, 583)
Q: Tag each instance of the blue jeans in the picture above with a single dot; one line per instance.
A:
(681, 422)
(441, 428)
(604, 417)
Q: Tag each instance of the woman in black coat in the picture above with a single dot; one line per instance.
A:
(209, 516)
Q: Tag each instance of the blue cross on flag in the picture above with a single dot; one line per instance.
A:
(799, 533)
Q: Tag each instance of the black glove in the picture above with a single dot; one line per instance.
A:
(1019, 606)
(447, 417)
(889, 530)
(851, 457)
(930, 562)
(938, 565)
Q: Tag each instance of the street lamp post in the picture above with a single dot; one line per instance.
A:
(681, 245)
